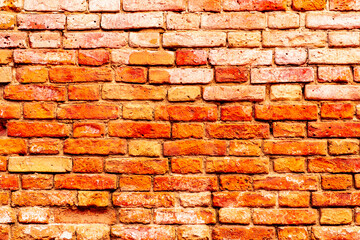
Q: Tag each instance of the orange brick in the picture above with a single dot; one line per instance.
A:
(4, 198)
(289, 164)
(44, 146)
(9, 181)
(336, 182)
(295, 148)
(282, 129)
(38, 129)
(139, 130)
(237, 165)
(232, 74)
(88, 129)
(93, 198)
(94, 57)
(149, 166)
(133, 92)
(294, 199)
(202, 199)
(287, 182)
(3, 163)
(335, 199)
(235, 215)
(104, 216)
(334, 165)
(146, 200)
(244, 199)
(187, 130)
(88, 111)
(44, 198)
(205, 5)
(85, 182)
(32, 74)
(309, 5)
(95, 146)
(45, 56)
(135, 215)
(39, 110)
(131, 74)
(185, 183)
(238, 232)
(286, 112)
(236, 113)
(284, 216)
(186, 113)
(245, 148)
(195, 147)
(238, 131)
(34, 93)
(12, 146)
(135, 183)
(294, 233)
(88, 164)
(235, 183)
(37, 181)
(186, 165)
(80, 74)
(337, 111)
(84, 92)
(5, 56)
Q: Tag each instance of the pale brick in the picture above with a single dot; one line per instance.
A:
(54, 5)
(45, 40)
(240, 57)
(204, 5)
(332, 92)
(240, 20)
(93, 199)
(334, 56)
(181, 75)
(5, 74)
(95, 39)
(202, 199)
(144, 148)
(254, 5)
(132, 20)
(138, 111)
(235, 215)
(336, 216)
(194, 39)
(93, 231)
(294, 39)
(34, 215)
(286, 93)
(283, 20)
(288, 56)
(40, 164)
(282, 75)
(193, 231)
(83, 21)
(184, 93)
(44, 56)
(13, 40)
(51, 231)
(144, 39)
(334, 74)
(7, 21)
(154, 5)
(344, 39)
(234, 93)
(41, 21)
(176, 21)
(244, 39)
(344, 5)
(7, 214)
(331, 20)
(104, 5)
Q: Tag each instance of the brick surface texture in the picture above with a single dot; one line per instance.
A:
(179, 119)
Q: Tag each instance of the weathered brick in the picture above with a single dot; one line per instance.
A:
(234, 93)
(51, 6)
(135, 183)
(83, 92)
(138, 111)
(34, 92)
(334, 164)
(287, 20)
(132, 20)
(34, 215)
(7, 21)
(236, 113)
(182, 183)
(41, 21)
(308, 5)
(290, 56)
(37, 129)
(187, 130)
(296, 233)
(332, 92)
(335, 199)
(85, 181)
(135, 215)
(5, 56)
(332, 20)
(285, 216)
(344, 39)
(105, 146)
(244, 39)
(235, 182)
(13, 40)
(204, 6)
(343, 146)
(237, 165)
(245, 148)
(239, 232)
(137, 165)
(295, 147)
(344, 5)
(334, 74)
(82, 21)
(336, 182)
(40, 164)
(144, 148)
(43, 198)
(244, 199)
(181, 75)
(191, 57)
(185, 216)
(195, 147)
(294, 199)
(88, 129)
(238, 131)
(88, 164)
(289, 164)
(252, 57)
(194, 39)
(294, 39)
(12, 146)
(286, 112)
(154, 5)
(5, 74)
(184, 94)
(94, 57)
(97, 231)
(94, 40)
(350, 233)
(256, 5)
(281, 129)
(32, 74)
(143, 232)
(334, 56)
(46, 231)
(90, 215)
(184, 21)
(133, 92)
(286, 93)
(144, 39)
(37, 181)
(45, 40)
(282, 75)
(287, 182)
(88, 111)
(191, 231)
(145, 200)
(139, 130)
(235, 20)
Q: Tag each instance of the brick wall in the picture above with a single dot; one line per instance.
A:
(179, 119)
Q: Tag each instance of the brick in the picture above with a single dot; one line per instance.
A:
(335, 216)
(186, 113)
(41, 21)
(337, 111)
(10, 111)
(350, 233)
(245, 148)
(252, 57)
(336, 182)
(4, 231)
(294, 39)
(332, 20)
(40, 164)
(232, 74)
(80, 74)
(107, 146)
(132, 20)
(287, 182)
(236, 113)
(43, 198)
(332, 92)
(185, 165)
(234, 215)
(296, 233)
(235, 182)
(135, 183)
(34, 215)
(202, 199)
(12, 146)
(281, 129)
(204, 6)
(151, 166)
(5, 198)
(238, 131)
(185, 130)
(194, 39)
(244, 39)
(145, 200)
(5, 56)
(154, 5)
(334, 74)
(85, 181)
(334, 56)
(191, 57)
(282, 75)
(45, 40)
(182, 183)
(83, 92)
(143, 232)
(97, 231)
(144, 39)
(344, 5)
(239, 232)
(237, 165)
(88, 129)
(184, 94)
(3, 167)
(286, 112)
(334, 164)
(234, 93)
(88, 164)
(7, 215)
(68, 215)
(104, 6)
(88, 111)
(7, 21)
(94, 57)
(289, 164)
(290, 56)
(234, 20)
(285, 216)
(45, 56)
(295, 147)
(344, 39)
(151, 58)
(335, 199)
(37, 129)
(52, 6)
(94, 40)
(32, 74)
(190, 231)
(13, 40)
(46, 231)
(185, 216)
(294, 199)
(144, 148)
(286, 92)
(131, 74)
(308, 5)
(244, 199)
(334, 129)
(138, 111)
(133, 92)
(181, 75)
(137, 215)
(9, 181)
(287, 20)
(343, 146)
(195, 147)
(37, 181)
(83, 21)
(39, 110)
(184, 21)
(139, 130)
(257, 5)
(5, 75)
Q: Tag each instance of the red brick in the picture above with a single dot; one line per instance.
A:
(286, 112)
(107, 146)
(139, 130)
(334, 129)
(335, 199)
(334, 165)
(234, 93)
(185, 216)
(237, 165)
(13, 40)
(43, 198)
(143, 232)
(337, 111)
(295, 148)
(88, 129)
(131, 74)
(37, 181)
(41, 21)
(94, 57)
(285, 216)
(44, 146)
(281, 129)
(136, 165)
(104, 216)
(235, 183)
(154, 5)
(294, 199)
(191, 57)
(238, 131)
(12, 146)
(88, 111)
(85, 181)
(282, 75)
(34, 92)
(238, 232)
(10, 111)
(202, 199)
(84, 92)
(94, 39)
(9, 181)
(236, 113)
(45, 56)
(3, 165)
(186, 113)
(38, 129)
(133, 92)
(234, 20)
(88, 164)
(244, 199)
(39, 110)
(336, 182)
(132, 20)
(32, 74)
(145, 200)
(135, 215)
(182, 183)
(232, 74)
(135, 183)
(240, 57)
(287, 182)
(195, 147)
(80, 74)
(289, 164)
(348, 233)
